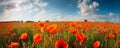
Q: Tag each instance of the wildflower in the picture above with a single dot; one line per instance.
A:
(118, 42)
(37, 38)
(96, 44)
(41, 24)
(104, 31)
(14, 35)
(80, 37)
(61, 44)
(13, 45)
(86, 28)
(72, 24)
(23, 36)
(72, 30)
(74, 44)
(78, 27)
(111, 35)
(52, 29)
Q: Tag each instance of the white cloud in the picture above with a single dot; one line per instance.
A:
(95, 4)
(10, 15)
(111, 14)
(40, 3)
(28, 6)
(16, 2)
(87, 9)
(33, 10)
(21, 12)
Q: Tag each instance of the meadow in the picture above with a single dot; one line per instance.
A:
(59, 35)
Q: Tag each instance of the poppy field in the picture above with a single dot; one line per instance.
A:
(59, 35)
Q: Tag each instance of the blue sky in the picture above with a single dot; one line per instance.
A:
(60, 10)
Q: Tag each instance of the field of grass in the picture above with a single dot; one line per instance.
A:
(59, 35)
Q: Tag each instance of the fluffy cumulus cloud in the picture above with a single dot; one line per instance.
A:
(40, 3)
(10, 4)
(20, 9)
(87, 9)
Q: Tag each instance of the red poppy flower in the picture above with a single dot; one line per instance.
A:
(80, 37)
(13, 45)
(9, 41)
(86, 28)
(111, 35)
(10, 28)
(74, 44)
(13, 35)
(48, 28)
(96, 44)
(78, 27)
(104, 31)
(118, 42)
(41, 24)
(23, 36)
(61, 44)
(52, 31)
(60, 29)
(72, 24)
(72, 30)
(37, 38)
